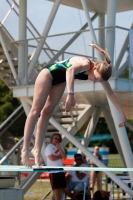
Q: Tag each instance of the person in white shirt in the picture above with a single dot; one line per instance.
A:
(54, 154)
(76, 179)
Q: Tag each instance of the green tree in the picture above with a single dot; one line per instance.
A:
(7, 105)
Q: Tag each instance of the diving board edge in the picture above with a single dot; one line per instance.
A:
(20, 168)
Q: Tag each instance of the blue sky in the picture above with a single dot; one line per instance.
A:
(67, 18)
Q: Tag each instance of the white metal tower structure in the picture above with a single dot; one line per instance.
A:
(90, 97)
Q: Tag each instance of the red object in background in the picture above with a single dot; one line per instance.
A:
(43, 174)
(66, 161)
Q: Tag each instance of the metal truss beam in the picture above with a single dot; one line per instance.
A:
(82, 118)
(91, 126)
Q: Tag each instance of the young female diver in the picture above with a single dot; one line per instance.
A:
(48, 90)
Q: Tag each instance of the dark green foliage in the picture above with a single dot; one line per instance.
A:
(17, 128)
(130, 134)
(101, 126)
(125, 74)
(7, 105)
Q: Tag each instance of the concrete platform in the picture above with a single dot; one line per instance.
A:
(87, 92)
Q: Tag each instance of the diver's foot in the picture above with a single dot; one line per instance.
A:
(25, 158)
(37, 157)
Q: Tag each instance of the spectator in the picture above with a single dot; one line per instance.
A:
(54, 154)
(8, 144)
(76, 179)
(95, 175)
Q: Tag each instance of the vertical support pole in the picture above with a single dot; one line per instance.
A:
(110, 33)
(26, 80)
(44, 34)
(101, 33)
(26, 106)
(22, 57)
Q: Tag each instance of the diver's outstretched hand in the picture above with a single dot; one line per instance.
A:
(123, 122)
(70, 103)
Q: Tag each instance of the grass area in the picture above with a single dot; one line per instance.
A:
(115, 161)
(38, 190)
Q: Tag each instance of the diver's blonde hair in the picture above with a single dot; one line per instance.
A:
(103, 67)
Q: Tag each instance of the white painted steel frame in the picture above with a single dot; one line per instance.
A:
(110, 33)
(86, 10)
(101, 32)
(8, 57)
(8, 13)
(91, 126)
(44, 34)
(22, 46)
(70, 41)
(86, 113)
(110, 36)
(123, 49)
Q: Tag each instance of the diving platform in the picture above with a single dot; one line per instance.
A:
(87, 92)
(99, 5)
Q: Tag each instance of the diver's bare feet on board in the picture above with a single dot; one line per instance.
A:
(25, 158)
(37, 157)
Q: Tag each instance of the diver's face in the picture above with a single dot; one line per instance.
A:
(94, 75)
